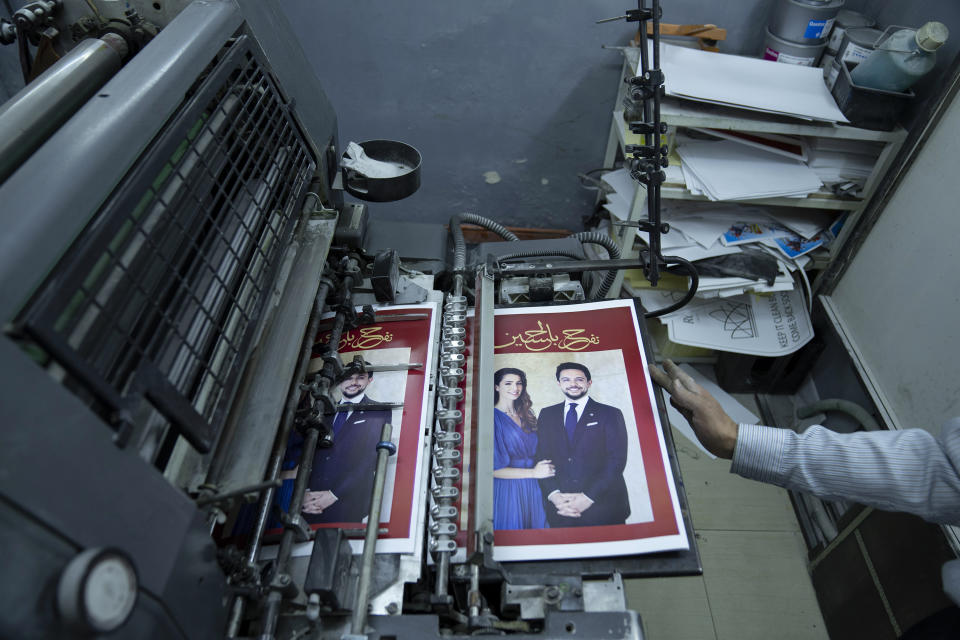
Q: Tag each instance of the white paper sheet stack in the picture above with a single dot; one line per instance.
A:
(727, 170)
(836, 161)
(697, 229)
(749, 83)
(624, 190)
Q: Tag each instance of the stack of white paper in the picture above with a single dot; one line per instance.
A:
(837, 161)
(749, 83)
(727, 170)
(624, 190)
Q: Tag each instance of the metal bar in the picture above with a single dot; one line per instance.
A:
(371, 406)
(274, 598)
(279, 449)
(483, 407)
(37, 110)
(395, 317)
(568, 266)
(392, 367)
(359, 619)
(255, 488)
(445, 491)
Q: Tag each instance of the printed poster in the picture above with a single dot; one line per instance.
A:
(341, 481)
(580, 463)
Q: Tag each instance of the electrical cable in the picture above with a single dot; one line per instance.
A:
(539, 253)
(691, 271)
(806, 283)
(605, 241)
(460, 245)
(23, 49)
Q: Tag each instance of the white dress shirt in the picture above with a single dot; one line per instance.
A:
(908, 470)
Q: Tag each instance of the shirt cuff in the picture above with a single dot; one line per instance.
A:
(759, 452)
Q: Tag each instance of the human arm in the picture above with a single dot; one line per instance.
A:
(907, 470)
(543, 469)
(714, 428)
(545, 451)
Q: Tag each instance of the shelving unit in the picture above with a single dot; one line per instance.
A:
(685, 113)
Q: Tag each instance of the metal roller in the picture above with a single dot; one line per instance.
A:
(38, 110)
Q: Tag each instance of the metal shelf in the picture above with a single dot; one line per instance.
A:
(687, 113)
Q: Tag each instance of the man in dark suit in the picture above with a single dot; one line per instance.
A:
(587, 442)
(342, 478)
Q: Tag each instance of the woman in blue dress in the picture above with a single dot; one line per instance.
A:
(517, 501)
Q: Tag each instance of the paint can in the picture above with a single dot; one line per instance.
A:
(856, 45)
(804, 21)
(780, 50)
(846, 19)
(826, 62)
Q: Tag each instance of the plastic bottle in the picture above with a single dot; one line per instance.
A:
(901, 59)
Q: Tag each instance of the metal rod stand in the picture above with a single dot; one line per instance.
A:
(385, 449)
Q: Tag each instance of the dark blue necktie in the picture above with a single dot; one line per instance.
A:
(338, 422)
(571, 421)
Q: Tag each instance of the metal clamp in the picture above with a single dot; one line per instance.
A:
(449, 437)
(441, 473)
(451, 392)
(452, 346)
(439, 493)
(450, 414)
(389, 446)
(447, 454)
(441, 546)
(439, 511)
(443, 529)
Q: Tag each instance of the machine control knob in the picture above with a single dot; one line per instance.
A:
(97, 590)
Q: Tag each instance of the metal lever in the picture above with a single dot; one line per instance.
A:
(385, 449)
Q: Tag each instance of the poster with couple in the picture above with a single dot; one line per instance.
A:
(341, 480)
(580, 463)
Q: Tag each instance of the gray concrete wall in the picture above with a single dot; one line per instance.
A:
(516, 87)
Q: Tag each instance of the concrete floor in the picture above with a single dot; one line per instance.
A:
(755, 582)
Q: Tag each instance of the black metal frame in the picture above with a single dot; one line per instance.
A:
(160, 296)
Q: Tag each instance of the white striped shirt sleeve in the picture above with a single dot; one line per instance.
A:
(908, 470)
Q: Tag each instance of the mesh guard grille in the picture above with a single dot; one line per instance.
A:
(159, 297)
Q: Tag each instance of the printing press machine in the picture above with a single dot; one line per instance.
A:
(174, 233)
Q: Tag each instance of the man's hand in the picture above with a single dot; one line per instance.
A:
(570, 505)
(316, 501)
(558, 498)
(716, 430)
(580, 502)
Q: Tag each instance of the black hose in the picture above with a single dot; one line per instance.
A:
(596, 237)
(23, 49)
(694, 283)
(540, 253)
(460, 245)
